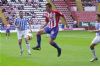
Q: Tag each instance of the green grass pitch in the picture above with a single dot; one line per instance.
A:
(74, 44)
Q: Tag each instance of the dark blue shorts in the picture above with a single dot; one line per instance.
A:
(52, 31)
(7, 30)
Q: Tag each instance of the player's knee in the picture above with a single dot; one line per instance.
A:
(38, 33)
(91, 47)
(50, 42)
(19, 43)
(27, 42)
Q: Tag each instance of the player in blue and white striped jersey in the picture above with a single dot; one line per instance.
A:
(21, 25)
(96, 40)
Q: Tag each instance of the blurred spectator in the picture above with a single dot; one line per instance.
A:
(0, 3)
(0, 21)
(36, 0)
(75, 25)
(34, 15)
(4, 1)
(28, 2)
(19, 1)
(21, 7)
(25, 13)
(40, 0)
(12, 11)
(40, 5)
(98, 1)
(13, 0)
(15, 9)
(87, 3)
(3, 10)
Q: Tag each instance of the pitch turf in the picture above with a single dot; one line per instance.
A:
(74, 44)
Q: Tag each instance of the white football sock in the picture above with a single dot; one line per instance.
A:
(28, 48)
(93, 53)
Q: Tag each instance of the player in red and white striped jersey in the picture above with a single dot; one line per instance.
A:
(52, 18)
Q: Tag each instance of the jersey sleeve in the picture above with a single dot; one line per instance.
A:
(59, 13)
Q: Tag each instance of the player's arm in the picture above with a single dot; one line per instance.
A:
(60, 14)
(64, 20)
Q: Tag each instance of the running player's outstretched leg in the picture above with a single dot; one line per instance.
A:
(96, 40)
(38, 46)
(28, 46)
(56, 46)
(93, 53)
(20, 46)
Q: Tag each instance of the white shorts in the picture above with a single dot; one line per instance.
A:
(96, 40)
(22, 33)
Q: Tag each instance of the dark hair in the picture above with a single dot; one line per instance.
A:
(20, 11)
(98, 15)
(7, 18)
(3, 10)
(48, 4)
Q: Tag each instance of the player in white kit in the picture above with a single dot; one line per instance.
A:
(21, 24)
(96, 40)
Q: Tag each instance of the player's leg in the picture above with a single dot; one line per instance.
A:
(92, 48)
(53, 36)
(20, 46)
(27, 42)
(8, 34)
(28, 46)
(38, 35)
(19, 34)
(54, 44)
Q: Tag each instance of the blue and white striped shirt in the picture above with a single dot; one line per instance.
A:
(97, 26)
(22, 23)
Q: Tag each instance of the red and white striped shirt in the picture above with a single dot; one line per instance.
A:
(53, 18)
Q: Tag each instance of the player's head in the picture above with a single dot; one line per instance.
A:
(21, 14)
(48, 7)
(98, 17)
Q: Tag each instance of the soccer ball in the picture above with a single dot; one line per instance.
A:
(29, 36)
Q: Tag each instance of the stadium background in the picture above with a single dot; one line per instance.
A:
(83, 13)
(79, 14)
